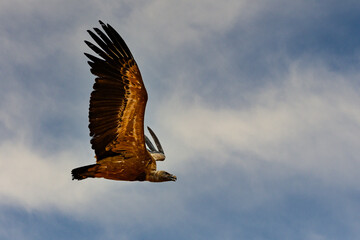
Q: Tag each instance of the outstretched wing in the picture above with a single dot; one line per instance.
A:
(117, 103)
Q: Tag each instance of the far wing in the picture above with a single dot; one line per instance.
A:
(117, 103)
(157, 154)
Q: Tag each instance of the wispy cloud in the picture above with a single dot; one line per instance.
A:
(309, 119)
(257, 107)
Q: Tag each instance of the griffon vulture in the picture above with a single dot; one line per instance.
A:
(116, 115)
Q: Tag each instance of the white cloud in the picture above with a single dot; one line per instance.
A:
(187, 20)
(309, 120)
(160, 27)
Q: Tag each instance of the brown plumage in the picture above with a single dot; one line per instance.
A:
(116, 115)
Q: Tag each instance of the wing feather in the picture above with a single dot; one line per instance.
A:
(118, 101)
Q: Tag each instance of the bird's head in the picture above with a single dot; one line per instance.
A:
(163, 176)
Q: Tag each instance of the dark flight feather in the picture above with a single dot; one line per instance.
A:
(117, 86)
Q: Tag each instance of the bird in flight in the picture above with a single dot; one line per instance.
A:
(116, 115)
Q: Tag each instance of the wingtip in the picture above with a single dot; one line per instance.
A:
(103, 25)
(90, 45)
(150, 130)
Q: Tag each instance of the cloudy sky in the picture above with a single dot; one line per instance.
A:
(256, 103)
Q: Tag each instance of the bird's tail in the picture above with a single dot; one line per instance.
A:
(81, 173)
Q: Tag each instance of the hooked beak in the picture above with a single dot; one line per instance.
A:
(173, 178)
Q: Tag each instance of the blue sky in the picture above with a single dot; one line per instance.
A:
(256, 103)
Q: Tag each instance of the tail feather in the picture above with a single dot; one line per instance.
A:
(81, 173)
